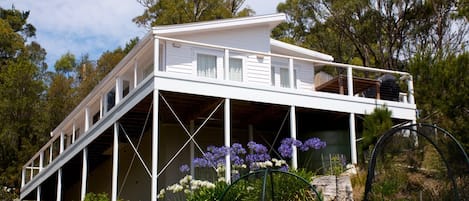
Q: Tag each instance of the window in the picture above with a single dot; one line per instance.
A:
(206, 65)
(96, 117)
(110, 99)
(126, 88)
(236, 69)
(285, 78)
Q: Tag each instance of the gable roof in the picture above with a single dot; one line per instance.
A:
(241, 22)
(293, 50)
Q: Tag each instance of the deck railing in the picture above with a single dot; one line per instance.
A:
(134, 69)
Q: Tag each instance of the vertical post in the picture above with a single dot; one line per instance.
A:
(226, 60)
(192, 151)
(73, 132)
(50, 152)
(353, 140)
(62, 143)
(155, 128)
(291, 72)
(23, 176)
(41, 161)
(410, 86)
(349, 81)
(154, 146)
(38, 193)
(227, 139)
(135, 73)
(156, 56)
(118, 90)
(84, 173)
(87, 118)
(115, 161)
(294, 158)
(59, 185)
(101, 106)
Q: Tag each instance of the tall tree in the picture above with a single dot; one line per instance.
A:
(442, 92)
(22, 68)
(383, 33)
(164, 12)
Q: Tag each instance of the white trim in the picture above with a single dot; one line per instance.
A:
(281, 96)
(296, 49)
(209, 26)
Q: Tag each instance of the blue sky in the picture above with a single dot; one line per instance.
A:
(92, 26)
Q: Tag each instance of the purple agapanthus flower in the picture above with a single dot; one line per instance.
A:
(286, 149)
(184, 168)
(312, 143)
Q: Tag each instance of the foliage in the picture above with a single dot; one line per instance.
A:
(374, 125)
(164, 12)
(22, 67)
(98, 197)
(243, 161)
(379, 33)
(442, 92)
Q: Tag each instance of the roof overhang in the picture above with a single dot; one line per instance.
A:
(271, 21)
(293, 50)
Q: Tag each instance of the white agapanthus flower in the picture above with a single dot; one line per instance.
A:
(279, 163)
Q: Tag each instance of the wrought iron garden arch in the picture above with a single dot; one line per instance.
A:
(418, 130)
(268, 173)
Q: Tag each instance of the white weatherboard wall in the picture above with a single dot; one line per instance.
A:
(181, 58)
(304, 72)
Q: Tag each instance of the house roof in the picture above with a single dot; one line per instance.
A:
(293, 50)
(271, 21)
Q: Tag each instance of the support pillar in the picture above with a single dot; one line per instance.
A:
(294, 158)
(38, 193)
(59, 185)
(84, 174)
(227, 140)
(154, 146)
(115, 162)
(353, 140)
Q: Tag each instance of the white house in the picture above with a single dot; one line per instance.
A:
(187, 86)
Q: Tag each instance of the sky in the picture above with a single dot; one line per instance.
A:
(92, 26)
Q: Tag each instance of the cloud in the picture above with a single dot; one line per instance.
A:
(86, 26)
(92, 26)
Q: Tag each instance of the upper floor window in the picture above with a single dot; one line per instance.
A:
(207, 65)
(236, 69)
(285, 78)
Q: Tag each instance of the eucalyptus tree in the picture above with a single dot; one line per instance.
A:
(22, 86)
(164, 12)
(382, 33)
